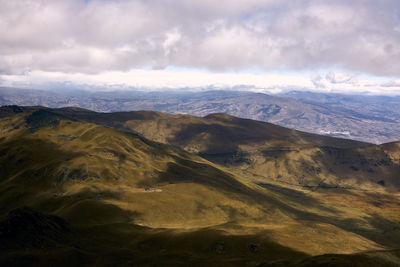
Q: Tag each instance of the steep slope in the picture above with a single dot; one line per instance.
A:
(266, 152)
(263, 152)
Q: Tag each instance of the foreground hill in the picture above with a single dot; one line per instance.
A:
(106, 196)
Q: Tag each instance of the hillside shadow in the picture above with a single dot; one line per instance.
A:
(26, 154)
(187, 171)
(386, 232)
(299, 197)
(222, 142)
(33, 173)
(129, 245)
(220, 139)
(362, 166)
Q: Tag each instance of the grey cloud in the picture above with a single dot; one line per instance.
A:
(75, 36)
(317, 80)
(390, 84)
(333, 77)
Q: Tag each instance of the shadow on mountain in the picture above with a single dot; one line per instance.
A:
(31, 238)
(42, 118)
(369, 259)
(219, 139)
(18, 154)
(187, 171)
(385, 232)
(27, 228)
(296, 196)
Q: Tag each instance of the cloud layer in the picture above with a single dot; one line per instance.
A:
(194, 80)
(77, 36)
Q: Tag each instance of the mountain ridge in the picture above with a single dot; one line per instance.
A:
(366, 118)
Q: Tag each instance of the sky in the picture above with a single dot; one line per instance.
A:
(259, 45)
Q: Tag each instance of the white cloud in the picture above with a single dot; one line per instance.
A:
(96, 36)
(158, 80)
(194, 79)
(335, 77)
(317, 80)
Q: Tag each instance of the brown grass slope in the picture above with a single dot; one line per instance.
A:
(107, 183)
(130, 200)
(59, 158)
(235, 129)
(266, 152)
(263, 152)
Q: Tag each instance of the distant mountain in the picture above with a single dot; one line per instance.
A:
(147, 188)
(374, 119)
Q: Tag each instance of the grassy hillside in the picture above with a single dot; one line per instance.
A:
(99, 196)
(263, 152)
(62, 159)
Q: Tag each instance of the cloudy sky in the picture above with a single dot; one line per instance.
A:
(260, 45)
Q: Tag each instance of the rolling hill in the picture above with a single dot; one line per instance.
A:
(144, 188)
(263, 152)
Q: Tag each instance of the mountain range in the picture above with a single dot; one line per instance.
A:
(145, 188)
(373, 119)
